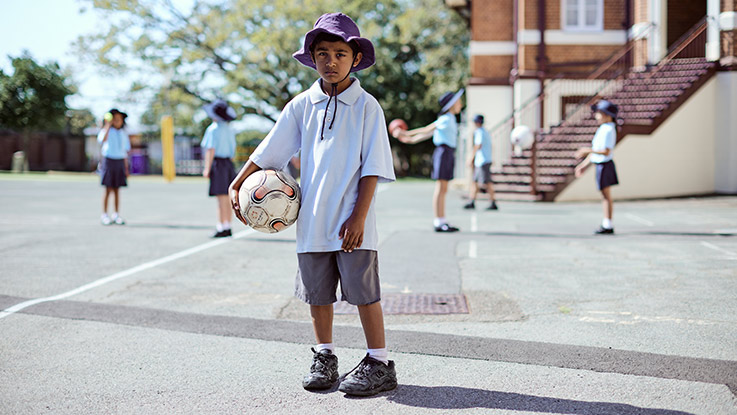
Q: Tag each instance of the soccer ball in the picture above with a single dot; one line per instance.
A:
(522, 136)
(269, 200)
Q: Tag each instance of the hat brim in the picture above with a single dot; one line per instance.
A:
(304, 57)
(210, 111)
(594, 108)
(452, 101)
(122, 114)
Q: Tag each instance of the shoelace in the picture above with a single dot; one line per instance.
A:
(320, 359)
(365, 368)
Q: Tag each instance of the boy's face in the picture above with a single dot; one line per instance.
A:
(457, 107)
(334, 60)
(602, 118)
(117, 121)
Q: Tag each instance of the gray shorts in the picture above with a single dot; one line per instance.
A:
(319, 272)
(482, 173)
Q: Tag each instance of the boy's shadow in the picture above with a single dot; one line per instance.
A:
(455, 397)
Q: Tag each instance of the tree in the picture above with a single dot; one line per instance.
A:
(33, 97)
(241, 50)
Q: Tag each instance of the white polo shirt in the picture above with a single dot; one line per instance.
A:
(605, 137)
(356, 146)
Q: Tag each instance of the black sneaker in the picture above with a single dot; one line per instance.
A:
(222, 234)
(604, 231)
(446, 228)
(369, 378)
(323, 372)
(470, 205)
(493, 206)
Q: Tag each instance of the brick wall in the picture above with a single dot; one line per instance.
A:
(491, 20)
(614, 14)
(565, 53)
(495, 67)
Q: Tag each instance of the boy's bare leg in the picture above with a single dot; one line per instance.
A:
(474, 191)
(105, 198)
(225, 213)
(116, 194)
(322, 322)
(606, 202)
(438, 198)
(490, 191)
(372, 320)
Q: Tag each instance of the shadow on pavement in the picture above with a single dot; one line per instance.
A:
(167, 226)
(455, 397)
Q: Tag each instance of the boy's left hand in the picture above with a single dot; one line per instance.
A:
(352, 234)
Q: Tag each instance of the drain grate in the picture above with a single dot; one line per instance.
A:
(396, 303)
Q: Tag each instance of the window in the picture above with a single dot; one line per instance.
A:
(583, 14)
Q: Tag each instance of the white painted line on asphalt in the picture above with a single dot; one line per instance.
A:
(718, 249)
(473, 249)
(639, 219)
(128, 272)
(474, 222)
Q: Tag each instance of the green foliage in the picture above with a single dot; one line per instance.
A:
(241, 50)
(78, 120)
(33, 97)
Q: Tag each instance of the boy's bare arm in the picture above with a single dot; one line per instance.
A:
(235, 186)
(414, 136)
(352, 230)
(209, 157)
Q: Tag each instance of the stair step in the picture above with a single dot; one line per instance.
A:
(518, 197)
(525, 178)
(659, 79)
(543, 171)
(665, 93)
(521, 188)
(643, 89)
(547, 162)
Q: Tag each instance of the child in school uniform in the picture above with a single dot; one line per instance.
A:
(340, 131)
(219, 145)
(114, 164)
(480, 160)
(444, 133)
(600, 154)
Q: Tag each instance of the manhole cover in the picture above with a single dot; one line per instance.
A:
(395, 303)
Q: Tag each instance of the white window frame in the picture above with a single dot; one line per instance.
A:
(596, 27)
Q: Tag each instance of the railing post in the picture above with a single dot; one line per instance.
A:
(533, 164)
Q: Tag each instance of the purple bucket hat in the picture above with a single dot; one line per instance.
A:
(342, 26)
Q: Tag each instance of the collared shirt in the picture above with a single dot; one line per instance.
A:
(605, 137)
(446, 130)
(221, 137)
(117, 144)
(483, 155)
(356, 146)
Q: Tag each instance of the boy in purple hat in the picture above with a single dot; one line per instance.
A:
(340, 132)
(600, 154)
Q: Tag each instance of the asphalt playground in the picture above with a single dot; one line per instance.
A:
(154, 317)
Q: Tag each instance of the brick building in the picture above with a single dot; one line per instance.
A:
(538, 62)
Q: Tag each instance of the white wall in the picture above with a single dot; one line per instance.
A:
(495, 104)
(678, 159)
(726, 133)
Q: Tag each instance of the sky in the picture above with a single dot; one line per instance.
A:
(47, 29)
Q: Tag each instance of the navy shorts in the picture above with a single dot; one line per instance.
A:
(482, 173)
(319, 273)
(443, 162)
(113, 172)
(606, 175)
(222, 173)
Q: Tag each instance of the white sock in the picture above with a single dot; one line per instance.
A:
(606, 223)
(325, 346)
(115, 215)
(219, 227)
(226, 226)
(382, 355)
(438, 222)
(103, 216)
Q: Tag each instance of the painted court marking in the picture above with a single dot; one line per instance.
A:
(639, 219)
(718, 249)
(125, 273)
(473, 247)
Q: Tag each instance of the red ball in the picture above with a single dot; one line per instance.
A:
(397, 123)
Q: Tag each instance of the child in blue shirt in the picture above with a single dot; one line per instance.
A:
(114, 164)
(219, 145)
(600, 154)
(444, 133)
(339, 131)
(480, 161)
